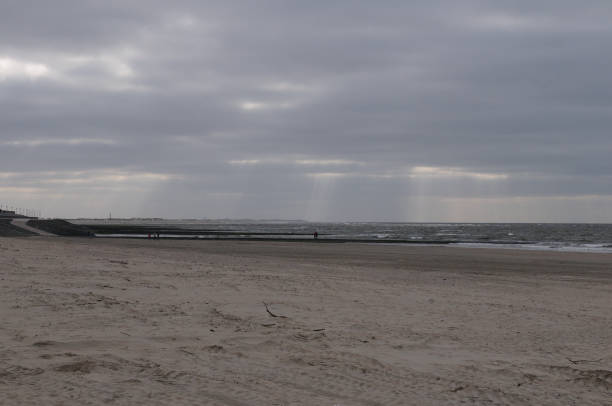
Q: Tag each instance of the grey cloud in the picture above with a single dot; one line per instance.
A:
(183, 88)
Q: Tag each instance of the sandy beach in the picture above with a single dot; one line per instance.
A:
(125, 322)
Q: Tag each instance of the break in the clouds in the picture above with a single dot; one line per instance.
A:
(320, 110)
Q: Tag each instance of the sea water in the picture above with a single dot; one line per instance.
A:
(564, 237)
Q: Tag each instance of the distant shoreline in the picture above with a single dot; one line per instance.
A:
(467, 235)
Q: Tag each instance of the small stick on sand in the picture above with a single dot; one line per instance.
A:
(272, 314)
(582, 361)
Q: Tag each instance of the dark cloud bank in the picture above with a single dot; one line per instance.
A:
(334, 110)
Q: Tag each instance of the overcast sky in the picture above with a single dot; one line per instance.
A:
(318, 110)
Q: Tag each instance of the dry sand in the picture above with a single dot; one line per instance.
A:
(90, 321)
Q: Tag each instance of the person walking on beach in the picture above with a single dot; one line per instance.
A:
(316, 235)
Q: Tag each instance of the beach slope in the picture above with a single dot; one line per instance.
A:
(156, 322)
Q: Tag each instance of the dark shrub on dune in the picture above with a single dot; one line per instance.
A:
(61, 227)
(9, 230)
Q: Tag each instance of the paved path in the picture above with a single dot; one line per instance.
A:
(21, 223)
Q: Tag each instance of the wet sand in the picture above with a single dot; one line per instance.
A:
(98, 321)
